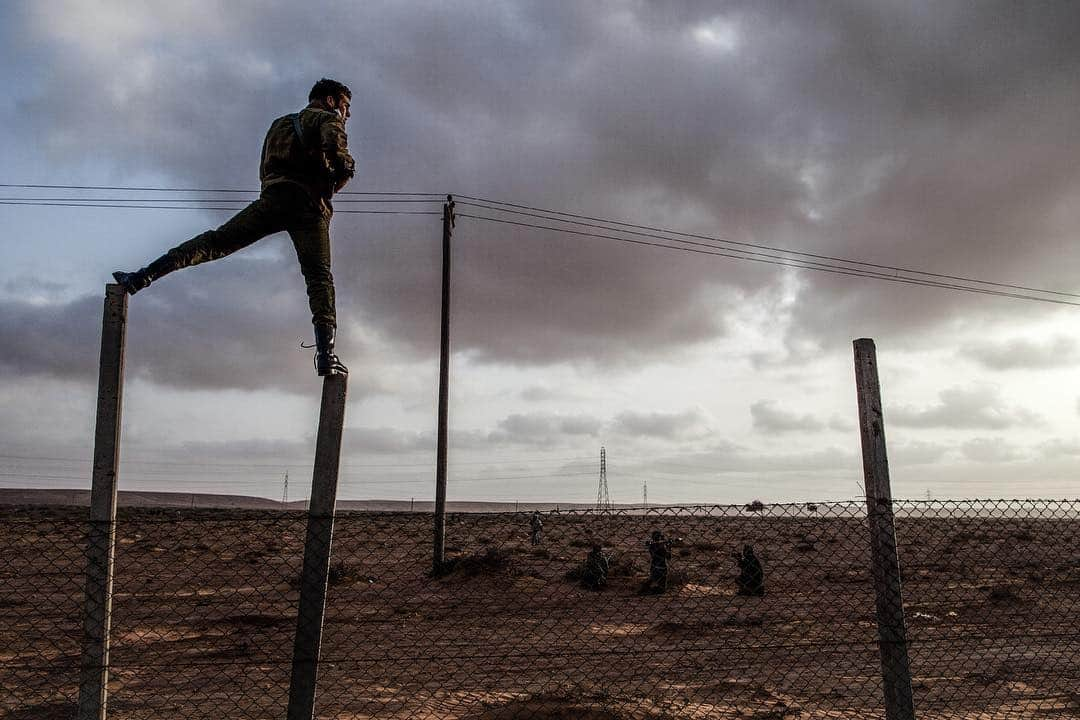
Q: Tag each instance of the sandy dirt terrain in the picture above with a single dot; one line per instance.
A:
(205, 612)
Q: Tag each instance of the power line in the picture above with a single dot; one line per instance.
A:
(774, 260)
(203, 207)
(129, 188)
(758, 246)
(805, 264)
(702, 244)
(238, 201)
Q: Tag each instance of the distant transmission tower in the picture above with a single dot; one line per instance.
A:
(285, 490)
(603, 500)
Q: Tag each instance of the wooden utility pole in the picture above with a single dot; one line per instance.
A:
(101, 536)
(438, 557)
(320, 532)
(885, 561)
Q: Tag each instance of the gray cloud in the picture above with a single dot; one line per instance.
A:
(914, 134)
(917, 453)
(386, 440)
(1060, 448)
(543, 429)
(667, 426)
(538, 393)
(768, 417)
(243, 452)
(60, 341)
(731, 457)
(942, 138)
(232, 324)
(1061, 351)
(975, 407)
(991, 450)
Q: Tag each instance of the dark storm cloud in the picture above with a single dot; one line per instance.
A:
(233, 324)
(921, 134)
(975, 408)
(1061, 351)
(55, 340)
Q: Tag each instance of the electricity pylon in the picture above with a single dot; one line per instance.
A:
(603, 500)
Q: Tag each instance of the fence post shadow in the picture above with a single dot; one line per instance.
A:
(884, 560)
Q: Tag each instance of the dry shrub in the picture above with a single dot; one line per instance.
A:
(489, 561)
(1003, 594)
(543, 706)
(343, 573)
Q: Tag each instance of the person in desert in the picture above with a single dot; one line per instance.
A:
(659, 549)
(594, 576)
(751, 579)
(305, 161)
(536, 528)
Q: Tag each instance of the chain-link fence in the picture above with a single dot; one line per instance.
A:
(760, 612)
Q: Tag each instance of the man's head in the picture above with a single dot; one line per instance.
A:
(332, 95)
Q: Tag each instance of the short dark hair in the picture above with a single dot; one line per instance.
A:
(328, 88)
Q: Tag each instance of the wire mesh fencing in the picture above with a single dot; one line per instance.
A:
(763, 611)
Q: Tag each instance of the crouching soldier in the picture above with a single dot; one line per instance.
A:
(597, 564)
(751, 580)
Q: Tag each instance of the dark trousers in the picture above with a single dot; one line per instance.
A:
(280, 207)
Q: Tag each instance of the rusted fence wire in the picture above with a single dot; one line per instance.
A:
(205, 603)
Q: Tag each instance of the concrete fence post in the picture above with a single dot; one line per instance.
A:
(316, 569)
(885, 561)
(101, 535)
(438, 554)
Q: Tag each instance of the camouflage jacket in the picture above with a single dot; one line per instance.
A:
(321, 164)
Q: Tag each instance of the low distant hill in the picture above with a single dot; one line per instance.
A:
(138, 498)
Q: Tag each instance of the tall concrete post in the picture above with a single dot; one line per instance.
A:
(101, 536)
(884, 559)
(439, 551)
(316, 570)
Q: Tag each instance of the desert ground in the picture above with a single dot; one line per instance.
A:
(205, 602)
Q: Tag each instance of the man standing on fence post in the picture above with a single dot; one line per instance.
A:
(305, 160)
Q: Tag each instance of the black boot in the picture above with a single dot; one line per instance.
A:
(132, 282)
(326, 362)
(136, 281)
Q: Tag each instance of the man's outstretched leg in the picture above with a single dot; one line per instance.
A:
(257, 220)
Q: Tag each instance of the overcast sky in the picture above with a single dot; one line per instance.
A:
(935, 136)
